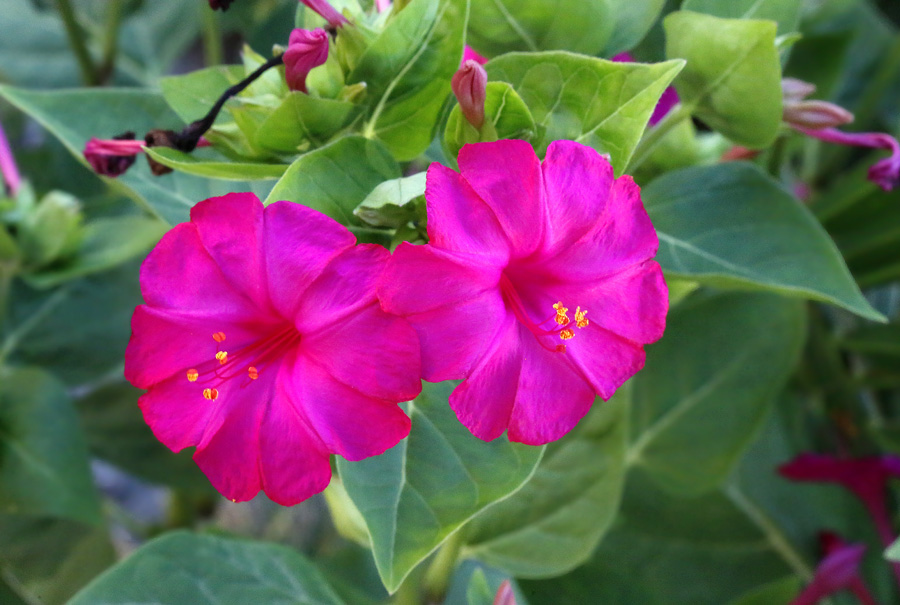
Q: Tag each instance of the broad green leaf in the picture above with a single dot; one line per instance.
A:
(10, 596)
(730, 225)
(215, 169)
(43, 459)
(784, 12)
(389, 204)
(780, 592)
(581, 26)
(556, 520)
(732, 80)
(568, 95)
(407, 71)
(52, 559)
(181, 568)
(192, 95)
(74, 116)
(116, 432)
(302, 121)
(708, 385)
(419, 492)
(107, 242)
(632, 20)
(474, 583)
(335, 179)
(893, 551)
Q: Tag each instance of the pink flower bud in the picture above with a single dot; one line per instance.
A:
(884, 173)
(470, 54)
(505, 594)
(217, 4)
(382, 5)
(469, 84)
(796, 90)
(306, 49)
(8, 169)
(112, 157)
(816, 114)
(326, 11)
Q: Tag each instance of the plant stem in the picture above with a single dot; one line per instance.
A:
(656, 134)
(437, 578)
(12, 341)
(213, 53)
(76, 41)
(111, 40)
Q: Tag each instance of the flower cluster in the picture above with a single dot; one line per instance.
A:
(270, 340)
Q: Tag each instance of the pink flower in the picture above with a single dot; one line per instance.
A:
(838, 570)
(382, 5)
(306, 49)
(886, 172)
(326, 11)
(505, 594)
(469, 85)
(470, 54)
(536, 289)
(262, 344)
(8, 169)
(667, 101)
(112, 157)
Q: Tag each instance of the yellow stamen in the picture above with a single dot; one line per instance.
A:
(567, 334)
(211, 394)
(561, 317)
(580, 320)
(222, 356)
(193, 375)
(253, 373)
(219, 336)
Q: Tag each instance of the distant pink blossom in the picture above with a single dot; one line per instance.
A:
(886, 172)
(382, 5)
(537, 288)
(113, 157)
(306, 49)
(469, 54)
(262, 343)
(8, 169)
(667, 101)
(505, 594)
(838, 571)
(469, 85)
(326, 11)
(220, 4)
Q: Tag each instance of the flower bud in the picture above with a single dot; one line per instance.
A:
(52, 230)
(326, 11)
(796, 90)
(382, 5)
(816, 114)
(306, 49)
(112, 157)
(217, 4)
(469, 84)
(470, 54)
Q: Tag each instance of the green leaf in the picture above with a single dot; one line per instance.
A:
(556, 520)
(632, 20)
(335, 179)
(107, 242)
(732, 80)
(389, 203)
(74, 116)
(784, 12)
(43, 459)
(730, 225)
(192, 95)
(505, 117)
(407, 70)
(419, 492)
(708, 385)
(302, 121)
(893, 551)
(581, 26)
(780, 592)
(568, 95)
(181, 568)
(215, 169)
(474, 583)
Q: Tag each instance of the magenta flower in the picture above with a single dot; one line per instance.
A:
(505, 594)
(667, 101)
(470, 54)
(536, 289)
(306, 50)
(262, 344)
(8, 169)
(112, 157)
(886, 172)
(326, 11)
(469, 85)
(838, 570)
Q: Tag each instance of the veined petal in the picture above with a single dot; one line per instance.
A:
(507, 176)
(177, 412)
(605, 359)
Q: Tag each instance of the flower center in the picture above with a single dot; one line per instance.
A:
(556, 324)
(247, 362)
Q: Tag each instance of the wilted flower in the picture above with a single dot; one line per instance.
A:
(469, 85)
(112, 157)
(536, 289)
(326, 11)
(838, 570)
(262, 344)
(306, 50)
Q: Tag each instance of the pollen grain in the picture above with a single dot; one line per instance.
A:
(211, 394)
(193, 375)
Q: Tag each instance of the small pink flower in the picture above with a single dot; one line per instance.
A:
(112, 157)
(326, 11)
(886, 172)
(536, 289)
(262, 344)
(667, 101)
(838, 571)
(469, 85)
(306, 50)
(8, 169)
(470, 54)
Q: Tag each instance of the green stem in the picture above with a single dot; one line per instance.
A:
(656, 134)
(213, 52)
(111, 40)
(437, 578)
(16, 336)
(76, 41)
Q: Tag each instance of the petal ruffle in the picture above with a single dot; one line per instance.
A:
(299, 243)
(578, 182)
(484, 400)
(605, 359)
(459, 220)
(507, 176)
(177, 412)
(231, 230)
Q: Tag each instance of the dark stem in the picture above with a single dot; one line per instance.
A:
(76, 41)
(111, 41)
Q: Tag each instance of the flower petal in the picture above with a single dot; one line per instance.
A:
(459, 220)
(177, 412)
(507, 176)
(389, 370)
(552, 396)
(578, 182)
(299, 243)
(605, 359)
(231, 230)
(484, 400)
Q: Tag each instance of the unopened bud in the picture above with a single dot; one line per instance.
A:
(816, 114)
(796, 90)
(470, 54)
(326, 11)
(306, 49)
(112, 157)
(469, 84)
(505, 594)
(160, 138)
